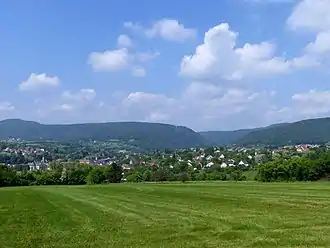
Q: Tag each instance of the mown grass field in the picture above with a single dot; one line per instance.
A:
(166, 215)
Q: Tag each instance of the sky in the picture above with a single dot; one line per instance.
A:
(208, 65)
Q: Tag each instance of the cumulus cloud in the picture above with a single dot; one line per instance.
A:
(321, 45)
(124, 41)
(218, 58)
(39, 81)
(110, 60)
(168, 29)
(119, 60)
(312, 15)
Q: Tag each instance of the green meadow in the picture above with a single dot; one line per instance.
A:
(214, 214)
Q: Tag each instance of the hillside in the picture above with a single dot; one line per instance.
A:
(307, 131)
(144, 135)
(158, 136)
(222, 138)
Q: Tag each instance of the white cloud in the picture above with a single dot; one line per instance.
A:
(145, 106)
(73, 101)
(168, 29)
(83, 95)
(70, 107)
(6, 107)
(304, 105)
(321, 45)
(201, 106)
(313, 96)
(121, 59)
(311, 15)
(39, 81)
(314, 16)
(214, 102)
(124, 41)
(137, 98)
(313, 102)
(110, 60)
(218, 58)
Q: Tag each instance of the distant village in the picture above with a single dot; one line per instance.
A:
(33, 158)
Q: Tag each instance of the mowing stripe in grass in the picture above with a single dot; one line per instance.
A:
(166, 215)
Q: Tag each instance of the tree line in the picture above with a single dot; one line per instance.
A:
(61, 174)
(183, 172)
(312, 167)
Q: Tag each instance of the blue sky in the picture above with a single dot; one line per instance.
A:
(217, 66)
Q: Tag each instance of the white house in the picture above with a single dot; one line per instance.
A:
(223, 165)
(210, 164)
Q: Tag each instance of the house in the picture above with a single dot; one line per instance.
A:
(302, 148)
(223, 165)
(242, 163)
(38, 166)
(126, 166)
(209, 164)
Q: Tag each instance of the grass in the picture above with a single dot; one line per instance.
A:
(166, 215)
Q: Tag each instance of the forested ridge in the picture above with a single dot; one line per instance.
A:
(142, 134)
(159, 136)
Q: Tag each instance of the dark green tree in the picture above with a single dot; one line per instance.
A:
(113, 173)
(96, 176)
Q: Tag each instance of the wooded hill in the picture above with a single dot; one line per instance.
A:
(159, 136)
(315, 131)
(141, 134)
